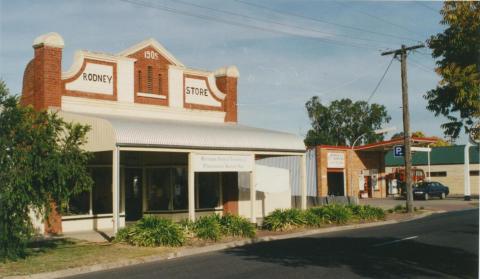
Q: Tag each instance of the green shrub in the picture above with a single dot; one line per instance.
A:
(235, 225)
(152, 231)
(390, 211)
(280, 220)
(208, 227)
(399, 208)
(314, 217)
(335, 213)
(367, 212)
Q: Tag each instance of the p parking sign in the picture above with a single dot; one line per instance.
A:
(399, 151)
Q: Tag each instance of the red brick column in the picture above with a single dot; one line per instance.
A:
(226, 79)
(42, 88)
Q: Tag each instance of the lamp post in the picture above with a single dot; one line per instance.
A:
(377, 132)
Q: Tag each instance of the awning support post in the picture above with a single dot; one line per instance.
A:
(303, 181)
(466, 172)
(253, 195)
(191, 188)
(116, 189)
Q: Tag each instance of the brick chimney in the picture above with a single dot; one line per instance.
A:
(226, 79)
(47, 71)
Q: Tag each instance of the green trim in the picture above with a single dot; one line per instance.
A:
(445, 155)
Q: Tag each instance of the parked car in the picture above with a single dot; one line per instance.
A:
(426, 190)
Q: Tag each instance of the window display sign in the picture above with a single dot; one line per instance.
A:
(335, 160)
(222, 163)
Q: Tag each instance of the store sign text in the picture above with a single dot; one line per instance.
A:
(197, 92)
(95, 78)
(335, 160)
(222, 163)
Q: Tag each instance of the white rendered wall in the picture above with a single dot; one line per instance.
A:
(265, 202)
(175, 87)
(125, 81)
(89, 224)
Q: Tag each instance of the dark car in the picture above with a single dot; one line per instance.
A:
(426, 190)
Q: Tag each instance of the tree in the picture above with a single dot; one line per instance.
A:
(457, 95)
(420, 134)
(41, 162)
(343, 121)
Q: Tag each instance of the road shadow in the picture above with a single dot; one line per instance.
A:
(364, 257)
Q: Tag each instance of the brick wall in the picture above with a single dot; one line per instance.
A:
(48, 72)
(355, 162)
(159, 67)
(228, 85)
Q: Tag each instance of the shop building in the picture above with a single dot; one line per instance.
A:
(165, 138)
(356, 172)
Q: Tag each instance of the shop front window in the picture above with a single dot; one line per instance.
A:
(159, 188)
(180, 189)
(101, 194)
(102, 190)
(207, 189)
(167, 189)
(78, 204)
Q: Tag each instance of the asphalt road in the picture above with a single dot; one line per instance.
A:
(440, 246)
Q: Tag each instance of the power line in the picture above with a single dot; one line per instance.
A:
(378, 18)
(426, 6)
(322, 21)
(209, 18)
(380, 81)
(421, 66)
(276, 22)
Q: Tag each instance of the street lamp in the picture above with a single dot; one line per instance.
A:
(377, 132)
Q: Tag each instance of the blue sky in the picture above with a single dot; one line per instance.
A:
(283, 60)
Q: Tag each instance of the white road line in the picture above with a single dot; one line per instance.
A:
(395, 241)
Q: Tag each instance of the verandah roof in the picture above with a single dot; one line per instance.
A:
(108, 131)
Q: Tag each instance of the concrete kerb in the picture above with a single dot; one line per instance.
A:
(206, 249)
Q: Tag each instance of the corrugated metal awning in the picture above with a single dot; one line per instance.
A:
(132, 131)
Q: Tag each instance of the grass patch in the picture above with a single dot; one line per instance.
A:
(59, 254)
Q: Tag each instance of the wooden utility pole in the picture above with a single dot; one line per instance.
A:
(402, 52)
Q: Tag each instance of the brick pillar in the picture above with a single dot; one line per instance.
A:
(230, 192)
(226, 79)
(44, 79)
(53, 224)
(47, 67)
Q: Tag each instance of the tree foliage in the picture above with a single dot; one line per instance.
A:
(343, 121)
(457, 50)
(420, 134)
(41, 161)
